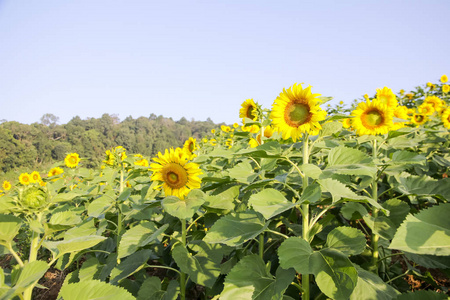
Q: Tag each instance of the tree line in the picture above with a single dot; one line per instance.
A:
(44, 142)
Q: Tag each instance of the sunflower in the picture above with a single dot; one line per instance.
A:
(419, 119)
(425, 109)
(372, 117)
(190, 146)
(435, 102)
(386, 96)
(253, 143)
(400, 112)
(444, 78)
(25, 179)
(250, 128)
(225, 128)
(268, 131)
(445, 88)
(72, 160)
(141, 162)
(410, 95)
(347, 123)
(402, 92)
(445, 118)
(35, 177)
(213, 142)
(229, 143)
(249, 110)
(297, 111)
(55, 171)
(178, 175)
(235, 125)
(6, 185)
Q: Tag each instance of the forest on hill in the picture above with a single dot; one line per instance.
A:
(41, 143)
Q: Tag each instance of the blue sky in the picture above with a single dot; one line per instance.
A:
(200, 59)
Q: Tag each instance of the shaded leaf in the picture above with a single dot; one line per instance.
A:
(347, 240)
(186, 208)
(270, 202)
(93, 289)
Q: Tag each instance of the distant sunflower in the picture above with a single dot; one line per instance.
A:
(72, 160)
(400, 112)
(445, 88)
(178, 176)
(419, 119)
(436, 102)
(410, 95)
(213, 142)
(250, 128)
(190, 146)
(35, 177)
(25, 179)
(6, 185)
(445, 117)
(55, 171)
(229, 143)
(225, 128)
(372, 117)
(444, 78)
(253, 143)
(425, 109)
(268, 131)
(249, 109)
(386, 96)
(347, 123)
(297, 111)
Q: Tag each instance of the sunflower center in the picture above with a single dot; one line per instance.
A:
(373, 119)
(297, 114)
(250, 111)
(175, 176)
(73, 160)
(419, 118)
(191, 147)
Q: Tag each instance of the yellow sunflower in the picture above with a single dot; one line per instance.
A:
(141, 162)
(35, 177)
(72, 160)
(435, 102)
(235, 125)
(25, 179)
(178, 176)
(386, 96)
(445, 88)
(55, 171)
(347, 123)
(268, 131)
(444, 78)
(250, 128)
(419, 119)
(402, 92)
(225, 128)
(446, 118)
(6, 185)
(410, 95)
(400, 112)
(372, 117)
(249, 109)
(229, 143)
(425, 109)
(253, 143)
(213, 142)
(190, 146)
(297, 111)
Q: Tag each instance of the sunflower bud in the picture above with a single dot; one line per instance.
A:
(33, 197)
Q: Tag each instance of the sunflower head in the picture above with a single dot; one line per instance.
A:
(444, 78)
(72, 160)
(437, 104)
(178, 176)
(249, 110)
(445, 88)
(225, 128)
(372, 118)
(33, 197)
(419, 119)
(55, 171)
(6, 185)
(386, 96)
(445, 117)
(296, 111)
(35, 177)
(425, 109)
(25, 179)
(190, 146)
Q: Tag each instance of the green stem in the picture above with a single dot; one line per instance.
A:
(16, 256)
(375, 237)
(34, 247)
(261, 245)
(119, 213)
(277, 233)
(305, 217)
(182, 274)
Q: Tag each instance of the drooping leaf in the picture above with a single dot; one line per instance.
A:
(151, 290)
(427, 232)
(267, 150)
(407, 157)
(73, 245)
(93, 289)
(353, 211)
(398, 210)
(371, 287)
(236, 228)
(338, 190)
(270, 202)
(242, 172)
(429, 261)
(311, 170)
(9, 227)
(348, 240)
(31, 273)
(186, 208)
(311, 194)
(90, 269)
(423, 186)
(99, 206)
(224, 200)
(295, 253)
(130, 265)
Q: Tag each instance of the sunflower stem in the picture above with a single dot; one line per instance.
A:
(34, 247)
(305, 217)
(119, 213)
(261, 245)
(182, 274)
(375, 237)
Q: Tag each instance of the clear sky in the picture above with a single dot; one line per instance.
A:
(200, 59)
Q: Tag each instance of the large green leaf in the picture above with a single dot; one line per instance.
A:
(311, 194)
(338, 190)
(236, 228)
(7, 204)
(422, 295)
(31, 273)
(242, 172)
(186, 208)
(77, 244)
(347, 156)
(139, 236)
(151, 290)
(130, 265)
(223, 201)
(93, 289)
(423, 186)
(334, 273)
(67, 218)
(371, 287)
(430, 261)
(407, 157)
(99, 206)
(270, 202)
(9, 227)
(203, 267)
(250, 279)
(427, 232)
(330, 128)
(295, 253)
(348, 240)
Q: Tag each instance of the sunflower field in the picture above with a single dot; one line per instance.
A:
(299, 201)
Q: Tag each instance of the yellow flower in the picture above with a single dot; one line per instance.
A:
(42, 183)
(372, 117)
(235, 125)
(72, 160)
(268, 131)
(55, 171)
(387, 97)
(435, 102)
(429, 84)
(297, 111)
(110, 159)
(400, 112)
(190, 146)
(138, 155)
(250, 128)
(366, 96)
(253, 143)
(402, 92)
(178, 176)
(410, 95)
(341, 102)
(35, 177)
(225, 128)
(249, 109)
(6, 185)
(444, 78)
(425, 109)
(213, 142)
(446, 118)
(141, 162)
(213, 131)
(204, 140)
(25, 179)
(445, 88)
(229, 143)
(346, 123)
(419, 119)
